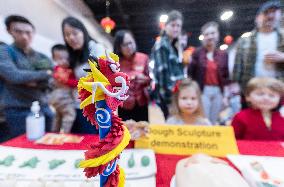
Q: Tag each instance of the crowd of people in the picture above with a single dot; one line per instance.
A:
(189, 89)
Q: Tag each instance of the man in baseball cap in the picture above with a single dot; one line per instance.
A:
(273, 4)
(269, 15)
(261, 54)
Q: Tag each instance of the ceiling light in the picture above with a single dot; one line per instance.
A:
(226, 15)
(223, 47)
(163, 18)
(201, 37)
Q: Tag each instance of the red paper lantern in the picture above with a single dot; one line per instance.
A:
(228, 39)
(108, 24)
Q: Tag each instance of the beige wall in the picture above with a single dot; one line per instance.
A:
(47, 16)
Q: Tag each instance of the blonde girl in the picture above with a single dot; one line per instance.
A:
(186, 107)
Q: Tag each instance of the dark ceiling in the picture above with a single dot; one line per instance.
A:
(142, 16)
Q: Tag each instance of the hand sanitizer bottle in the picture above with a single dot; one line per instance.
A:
(35, 123)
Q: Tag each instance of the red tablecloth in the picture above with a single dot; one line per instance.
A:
(22, 141)
(165, 163)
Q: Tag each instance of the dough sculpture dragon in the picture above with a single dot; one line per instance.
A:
(101, 92)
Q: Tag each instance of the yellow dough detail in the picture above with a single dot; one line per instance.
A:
(84, 83)
(113, 56)
(110, 155)
(121, 179)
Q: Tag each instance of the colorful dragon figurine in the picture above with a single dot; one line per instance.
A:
(101, 92)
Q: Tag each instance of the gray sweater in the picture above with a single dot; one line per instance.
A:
(17, 70)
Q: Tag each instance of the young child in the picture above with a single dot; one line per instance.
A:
(232, 102)
(186, 105)
(262, 120)
(61, 98)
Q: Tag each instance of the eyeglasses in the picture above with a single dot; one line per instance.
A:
(18, 31)
(126, 44)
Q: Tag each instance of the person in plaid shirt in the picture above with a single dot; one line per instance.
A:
(261, 54)
(167, 57)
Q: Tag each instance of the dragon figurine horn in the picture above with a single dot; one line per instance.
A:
(93, 58)
(108, 57)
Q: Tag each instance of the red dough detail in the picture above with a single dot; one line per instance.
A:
(115, 136)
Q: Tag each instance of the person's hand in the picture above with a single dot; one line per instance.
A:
(62, 75)
(274, 57)
(141, 78)
(58, 83)
(63, 78)
(49, 72)
(137, 129)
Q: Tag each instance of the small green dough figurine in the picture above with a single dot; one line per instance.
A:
(55, 163)
(145, 161)
(131, 161)
(30, 163)
(77, 162)
(8, 161)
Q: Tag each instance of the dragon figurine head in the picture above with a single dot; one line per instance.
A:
(103, 82)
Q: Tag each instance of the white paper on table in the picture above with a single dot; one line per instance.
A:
(274, 166)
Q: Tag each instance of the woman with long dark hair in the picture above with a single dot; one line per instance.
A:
(135, 64)
(80, 45)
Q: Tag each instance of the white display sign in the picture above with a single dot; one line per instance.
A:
(22, 164)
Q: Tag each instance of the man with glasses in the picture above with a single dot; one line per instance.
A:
(25, 74)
